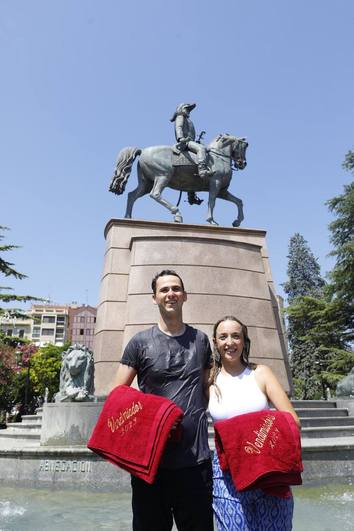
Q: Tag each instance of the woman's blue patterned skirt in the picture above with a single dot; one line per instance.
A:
(251, 510)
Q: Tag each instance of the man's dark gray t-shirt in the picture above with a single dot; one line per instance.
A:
(173, 367)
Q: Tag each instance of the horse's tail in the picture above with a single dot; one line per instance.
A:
(123, 168)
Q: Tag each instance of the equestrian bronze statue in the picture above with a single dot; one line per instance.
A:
(184, 168)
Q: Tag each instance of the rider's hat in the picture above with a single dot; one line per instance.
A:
(182, 108)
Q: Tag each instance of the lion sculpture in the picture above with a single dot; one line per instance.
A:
(345, 388)
(76, 375)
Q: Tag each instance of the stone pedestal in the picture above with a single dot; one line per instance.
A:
(225, 271)
(69, 424)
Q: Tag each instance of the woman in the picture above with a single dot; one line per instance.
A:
(239, 387)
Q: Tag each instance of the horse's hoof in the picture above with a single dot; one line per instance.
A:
(236, 223)
(178, 219)
(212, 222)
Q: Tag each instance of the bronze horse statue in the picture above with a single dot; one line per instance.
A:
(156, 172)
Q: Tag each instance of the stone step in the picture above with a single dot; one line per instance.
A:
(327, 431)
(24, 434)
(32, 419)
(23, 426)
(324, 412)
(300, 404)
(308, 422)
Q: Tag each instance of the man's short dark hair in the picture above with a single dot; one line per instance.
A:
(165, 273)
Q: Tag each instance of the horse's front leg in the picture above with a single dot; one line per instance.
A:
(159, 185)
(214, 188)
(228, 196)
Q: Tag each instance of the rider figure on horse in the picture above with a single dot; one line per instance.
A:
(185, 136)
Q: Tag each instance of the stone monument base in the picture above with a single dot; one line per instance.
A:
(226, 271)
(61, 459)
(68, 423)
(61, 468)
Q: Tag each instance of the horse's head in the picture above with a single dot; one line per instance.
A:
(232, 146)
(239, 153)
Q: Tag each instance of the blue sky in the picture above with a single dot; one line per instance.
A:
(82, 79)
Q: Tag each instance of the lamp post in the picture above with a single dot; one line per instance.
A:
(320, 366)
(27, 384)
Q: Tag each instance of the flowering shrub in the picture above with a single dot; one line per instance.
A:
(7, 363)
(25, 353)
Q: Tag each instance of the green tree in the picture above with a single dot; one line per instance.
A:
(341, 278)
(14, 352)
(348, 163)
(320, 316)
(320, 357)
(304, 280)
(304, 277)
(7, 269)
(45, 369)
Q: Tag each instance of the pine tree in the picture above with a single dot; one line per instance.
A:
(348, 163)
(7, 269)
(341, 278)
(304, 277)
(304, 280)
(320, 316)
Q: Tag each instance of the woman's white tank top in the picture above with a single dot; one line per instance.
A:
(239, 394)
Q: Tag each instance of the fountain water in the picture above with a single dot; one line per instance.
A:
(325, 507)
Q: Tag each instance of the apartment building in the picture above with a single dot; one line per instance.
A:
(16, 326)
(50, 324)
(82, 322)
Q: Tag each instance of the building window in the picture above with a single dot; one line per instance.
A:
(37, 318)
(48, 319)
(82, 319)
(36, 332)
(88, 331)
(47, 331)
(9, 332)
(94, 319)
(81, 332)
(60, 332)
(21, 333)
(61, 319)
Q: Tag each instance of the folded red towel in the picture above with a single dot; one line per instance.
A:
(261, 450)
(133, 429)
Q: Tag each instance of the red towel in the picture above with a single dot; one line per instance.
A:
(261, 450)
(133, 429)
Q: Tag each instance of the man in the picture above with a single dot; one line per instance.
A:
(185, 136)
(172, 359)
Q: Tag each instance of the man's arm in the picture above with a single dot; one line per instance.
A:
(206, 383)
(125, 375)
(179, 127)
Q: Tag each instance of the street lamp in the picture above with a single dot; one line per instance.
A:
(320, 365)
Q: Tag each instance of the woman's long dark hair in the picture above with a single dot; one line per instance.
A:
(217, 364)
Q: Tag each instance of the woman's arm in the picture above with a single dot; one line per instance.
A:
(271, 387)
